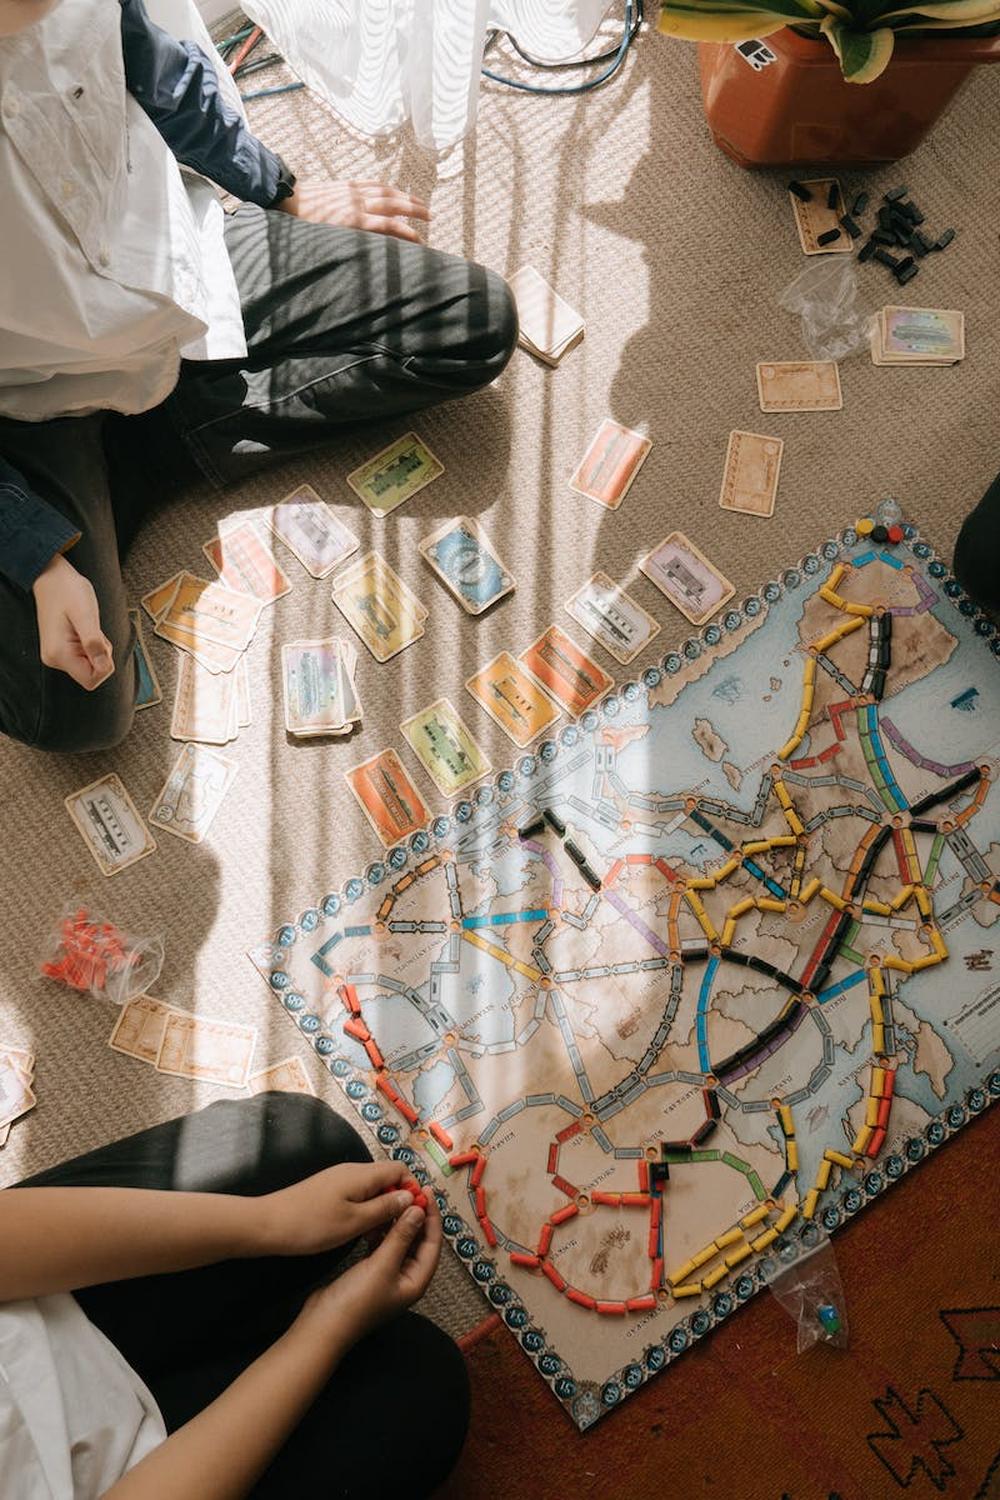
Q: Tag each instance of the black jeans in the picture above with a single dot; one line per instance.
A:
(977, 551)
(342, 327)
(393, 1417)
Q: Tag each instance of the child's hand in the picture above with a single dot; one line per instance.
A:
(69, 625)
(386, 1282)
(331, 1208)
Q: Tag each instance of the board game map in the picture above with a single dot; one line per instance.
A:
(672, 999)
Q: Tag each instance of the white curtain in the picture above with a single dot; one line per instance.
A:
(381, 62)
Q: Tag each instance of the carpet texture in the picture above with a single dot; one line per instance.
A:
(908, 1408)
(676, 258)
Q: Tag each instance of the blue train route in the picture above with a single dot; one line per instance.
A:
(505, 918)
(701, 1020)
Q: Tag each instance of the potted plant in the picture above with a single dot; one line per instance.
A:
(795, 100)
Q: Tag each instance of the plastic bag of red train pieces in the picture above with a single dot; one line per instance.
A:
(91, 954)
(811, 1292)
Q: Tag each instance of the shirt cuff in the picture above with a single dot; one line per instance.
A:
(32, 533)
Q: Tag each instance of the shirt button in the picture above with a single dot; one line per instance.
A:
(103, 257)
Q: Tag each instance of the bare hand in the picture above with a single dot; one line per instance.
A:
(69, 625)
(357, 205)
(333, 1207)
(387, 1281)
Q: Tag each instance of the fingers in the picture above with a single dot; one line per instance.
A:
(97, 649)
(397, 228)
(420, 1267)
(396, 205)
(375, 1177)
(399, 1241)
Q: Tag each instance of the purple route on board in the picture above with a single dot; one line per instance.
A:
(962, 768)
(928, 599)
(654, 942)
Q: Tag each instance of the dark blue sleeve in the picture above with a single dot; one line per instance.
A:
(32, 532)
(176, 84)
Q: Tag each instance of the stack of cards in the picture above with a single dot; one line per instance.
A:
(750, 478)
(311, 531)
(565, 671)
(395, 474)
(245, 562)
(918, 336)
(210, 707)
(318, 682)
(549, 326)
(464, 559)
(376, 603)
(17, 1075)
(211, 622)
(445, 748)
(183, 1045)
(148, 690)
(818, 206)
(513, 699)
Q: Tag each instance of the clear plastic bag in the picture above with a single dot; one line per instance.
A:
(826, 298)
(811, 1292)
(89, 953)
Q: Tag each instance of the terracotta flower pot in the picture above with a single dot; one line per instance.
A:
(798, 110)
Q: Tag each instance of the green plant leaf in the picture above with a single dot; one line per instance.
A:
(789, 10)
(863, 54)
(954, 12)
(703, 23)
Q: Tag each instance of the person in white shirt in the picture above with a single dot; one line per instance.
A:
(148, 341)
(169, 1328)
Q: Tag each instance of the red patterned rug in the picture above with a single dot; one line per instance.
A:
(910, 1409)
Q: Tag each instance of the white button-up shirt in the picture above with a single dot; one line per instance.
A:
(114, 265)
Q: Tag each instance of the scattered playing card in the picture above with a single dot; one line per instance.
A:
(138, 1031)
(156, 601)
(309, 529)
(803, 385)
(513, 699)
(395, 474)
(388, 798)
(750, 478)
(466, 562)
(110, 823)
(148, 690)
(17, 1096)
(918, 336)
(288, 1076)
(245, 563)
(565, 671)
(213, 623)
(815, 217)
(318, 682)
(610, 464)
(193, 792)
(612, 617)
(687, 578)
(377, 604)
(213, 1051)
(444, 747)
(549, 326)
(205, 704)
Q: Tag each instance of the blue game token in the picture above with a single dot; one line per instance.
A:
(723, 1305)
(852, 1201)
(831, 1217)
(744, 1287)
(310, 1023)
(483, 1271)
(701, 1322)
(952, 588)
(549, 1363)
(915, 1149)
(466, 1247)
(354, 890)
(984, 627)
(278, 979)
(505, 782)
(286, 935)
(569, 735)
(633, 1376)
(811, 564)
(515, 1317)
(404, 1154)
(388, 1135)
(500, 1294)
(672, 663)
(565, 1388)
(396, 857)
(462, 812)
(732, 620)
(935, 1133)
(452, 1225)
(293, 1001)
(976, 1100)
(966, 608)
(371, 1112)
(771, 592)
(340, 1067)
(873, 1183)
(678, 1339)
(630, 691)
(527, 766)
(894, 1167)
(993, 1083)
(547, 751)
(483, 795)
(330, 904)
(355, 1089)
(936, 569)
(652, 677)
(611, 1393)
(752, 607)
(691, 648)
(532, 1340)
(309, 919)
(610, 707)
(655, 1357)
(921, 550)
(711, 635)
(849, 536)
(324, 1045)
(589, 720)
(830, 550)
(956, 1115)
(441, 828)
(791, 578)
(375, 874)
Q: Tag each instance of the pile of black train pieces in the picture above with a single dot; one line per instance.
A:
(898, 228)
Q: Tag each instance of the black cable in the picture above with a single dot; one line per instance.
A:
(614, 56)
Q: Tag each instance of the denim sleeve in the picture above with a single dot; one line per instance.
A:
(176, 84)
(32, 532)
